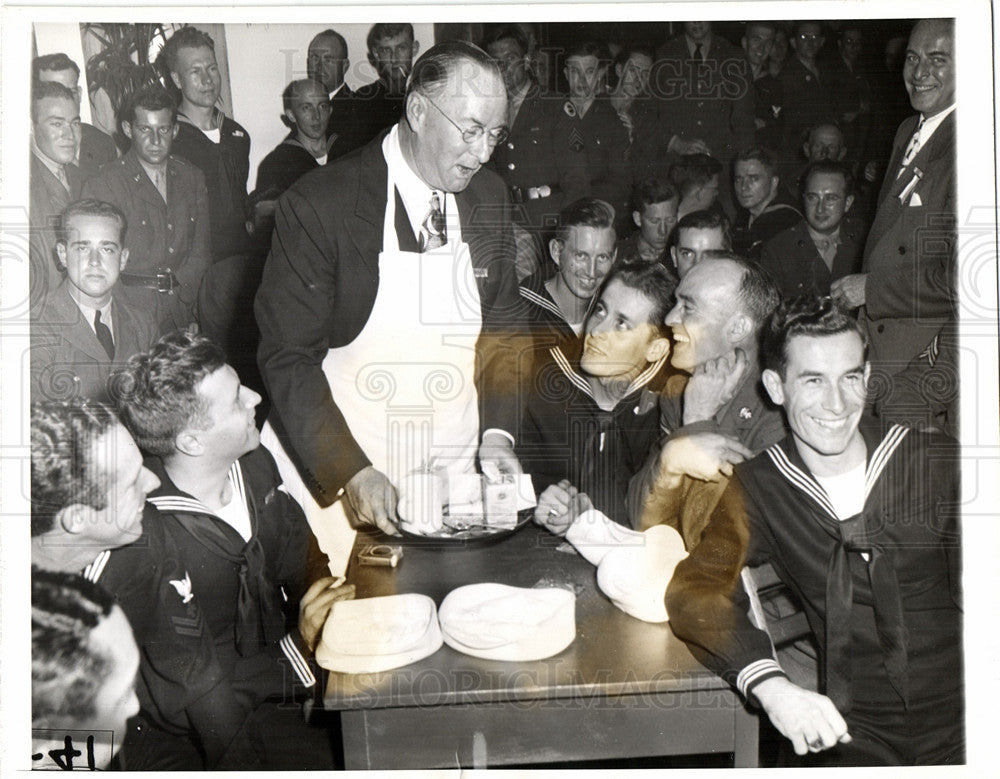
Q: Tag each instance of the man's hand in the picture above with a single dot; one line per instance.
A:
(705, 456)
(373, 499)
(712, 385)
(849, 291)
(498, 449)
(559, 505)
(807, 719)
(316, 604)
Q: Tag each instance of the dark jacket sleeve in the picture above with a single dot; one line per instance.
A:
(294, 313)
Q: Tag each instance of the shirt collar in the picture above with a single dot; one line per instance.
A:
(833, 238)
(931, 123)
(413, 190)
(56, 168)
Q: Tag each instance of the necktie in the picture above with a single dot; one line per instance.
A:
(432, 230)
(63, 178)
(697, 53)
(911, 148)
(887, 606)
(161, 185)
(104, 335)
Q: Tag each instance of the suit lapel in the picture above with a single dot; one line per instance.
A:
(370, 205)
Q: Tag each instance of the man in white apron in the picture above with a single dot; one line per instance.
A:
(386, 304)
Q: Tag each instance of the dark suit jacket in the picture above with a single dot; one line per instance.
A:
(319, 287)
(67, 360)
(910, 253)
(48, 197)
(796, 265)
(806, 102)
(721, 113)
(344, 124)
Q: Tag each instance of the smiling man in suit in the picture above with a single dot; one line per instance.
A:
(394, 267)
(84, 328)
(907, 284)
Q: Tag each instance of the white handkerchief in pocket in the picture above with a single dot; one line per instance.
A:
(915, 200)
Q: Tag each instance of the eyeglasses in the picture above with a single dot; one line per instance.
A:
(474, 133)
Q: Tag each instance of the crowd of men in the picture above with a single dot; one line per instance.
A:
(673, 295)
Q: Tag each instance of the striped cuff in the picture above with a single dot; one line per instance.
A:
(297, 661)
(755, 673)
(498, 431)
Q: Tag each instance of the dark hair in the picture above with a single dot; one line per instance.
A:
(773, 26)
(705, 219)
(796, 26)
(67, 670)
(825, 123)
(385, 30)
(185, 38)
(692, 171)
(294, 87)
(652, 280)
(589, 49)
(432, 71)
(758, 292)
(157, 393)
(330, 33)
(760, 154)
(652, 191)
(585, 212)
(831, 167)
(40, 90)
(91, 207)
(52, 63)
(622, 59)
(503, 32)
(153, 97)
(808, 315)
(63, 473)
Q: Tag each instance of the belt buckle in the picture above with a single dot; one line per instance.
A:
(166, 281)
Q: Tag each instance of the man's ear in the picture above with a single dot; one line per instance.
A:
(555, 250)
(416, 48)
(805, 150)
(739, 328)
(61, 254)
(127, 129)
(176, 79)
(658, 347)
(124, 260)
(188, 443)
(848, 202)
(74, 518)
(843, 153)
(416, 110)
(867, 373)
(289, 115)
(773, 385)
(637, 218)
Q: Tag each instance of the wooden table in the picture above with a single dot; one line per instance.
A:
(623, 688)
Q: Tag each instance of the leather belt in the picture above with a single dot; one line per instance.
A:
(523, 194)
(163, 281)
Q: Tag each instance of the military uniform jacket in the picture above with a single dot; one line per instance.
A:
(711, 100)
(591, 153)
(529, 159)
(808, 101)
(171, 235)
(67, 360)
(748, 417)
(564, 434)
(47, 198)
(226, 166)
(775, 511)
(793, 260)
(97, 148)
(748, 237)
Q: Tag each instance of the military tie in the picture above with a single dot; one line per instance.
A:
(911, 148)
(432, 231)
(161, 184)
(104, 335)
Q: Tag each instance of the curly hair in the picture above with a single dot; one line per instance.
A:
(157, 394)
(63, 437)
(808, 315)
(67, 670)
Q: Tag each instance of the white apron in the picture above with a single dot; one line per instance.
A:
(406, 384)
